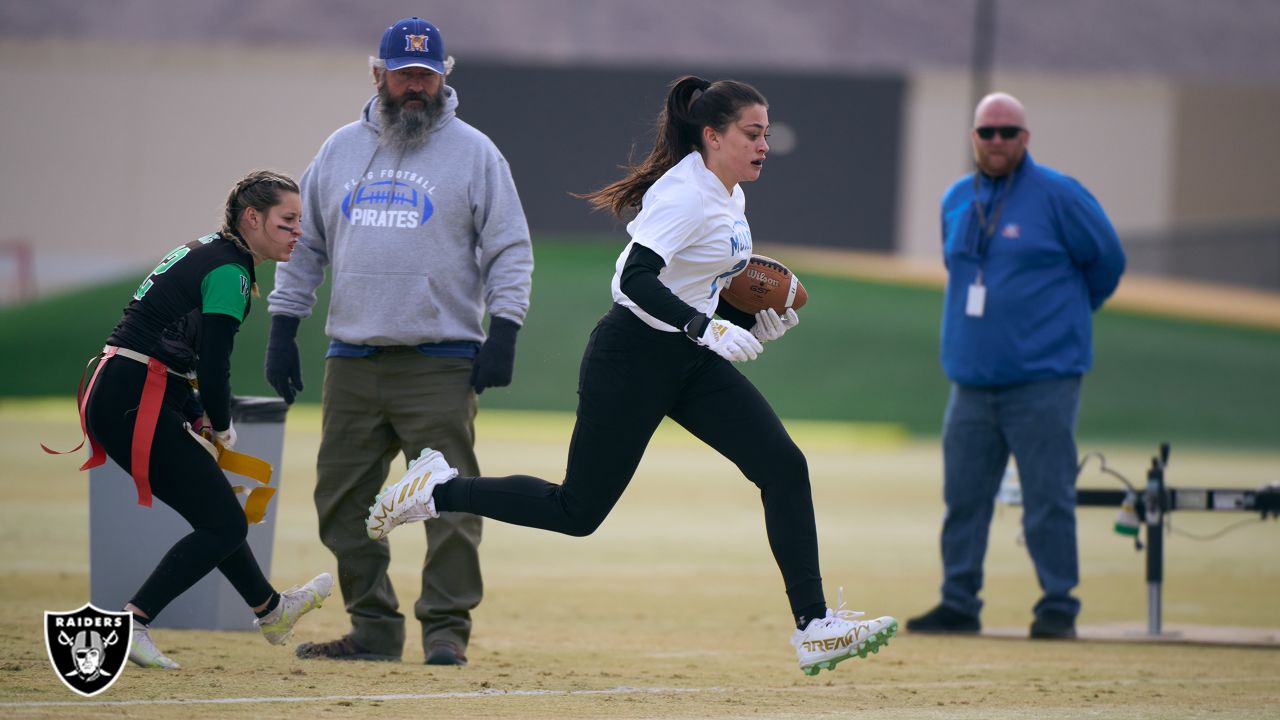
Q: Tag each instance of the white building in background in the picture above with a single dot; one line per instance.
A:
(129, 120)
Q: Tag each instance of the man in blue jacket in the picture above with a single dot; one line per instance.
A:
(1030, 255)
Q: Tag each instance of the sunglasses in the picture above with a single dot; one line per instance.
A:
(1006, 132)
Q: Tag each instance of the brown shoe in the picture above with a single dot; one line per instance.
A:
(445, 653)
(344, 648)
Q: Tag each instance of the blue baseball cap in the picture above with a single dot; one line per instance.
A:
(413, 42)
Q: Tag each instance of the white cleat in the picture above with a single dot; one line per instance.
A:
(294, 603)
(145, 653)
(409, 499)
(840, 636)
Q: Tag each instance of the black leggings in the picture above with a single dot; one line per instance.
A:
(186, 478)
(631, 377)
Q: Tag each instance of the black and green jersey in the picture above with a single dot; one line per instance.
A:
(208, 275)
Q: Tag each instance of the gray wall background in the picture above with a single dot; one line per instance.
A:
(125, 121)
(568, 130)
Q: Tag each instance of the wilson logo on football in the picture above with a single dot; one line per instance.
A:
(762, 278)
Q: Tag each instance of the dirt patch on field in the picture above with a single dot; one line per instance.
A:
(674, 608)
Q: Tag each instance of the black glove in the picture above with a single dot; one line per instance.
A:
(284, 370)
(497, 358)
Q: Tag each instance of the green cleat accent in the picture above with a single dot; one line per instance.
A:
(870, 646)
(294, 603)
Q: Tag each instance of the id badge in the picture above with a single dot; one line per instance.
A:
(977, 300)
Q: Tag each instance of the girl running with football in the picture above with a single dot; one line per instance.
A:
(659, 352)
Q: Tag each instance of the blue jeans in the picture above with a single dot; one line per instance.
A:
(1035, 422)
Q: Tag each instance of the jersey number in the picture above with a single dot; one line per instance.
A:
(164, 265)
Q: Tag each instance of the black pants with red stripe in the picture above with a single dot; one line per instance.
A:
(631, 377)
(185, 477)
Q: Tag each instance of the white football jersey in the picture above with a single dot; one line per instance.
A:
(697, 228)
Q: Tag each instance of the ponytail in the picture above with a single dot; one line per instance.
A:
(691, 105)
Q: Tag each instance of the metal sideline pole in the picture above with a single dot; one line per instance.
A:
(981, 59)
(1156, 505)
(1157, 499)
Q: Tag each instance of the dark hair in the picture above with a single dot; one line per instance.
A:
(260, 190)
(692, 104)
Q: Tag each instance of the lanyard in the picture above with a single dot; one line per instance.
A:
(987, 226)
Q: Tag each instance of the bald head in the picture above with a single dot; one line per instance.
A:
(999, 109)
(999, 134)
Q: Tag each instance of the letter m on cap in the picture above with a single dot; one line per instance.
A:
(415, 43)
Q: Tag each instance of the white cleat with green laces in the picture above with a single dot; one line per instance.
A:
(294, 603)
(839, 636)
(143, 652)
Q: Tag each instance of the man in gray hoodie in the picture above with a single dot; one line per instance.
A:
(417, 215)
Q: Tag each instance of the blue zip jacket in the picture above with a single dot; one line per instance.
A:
(1053, 259)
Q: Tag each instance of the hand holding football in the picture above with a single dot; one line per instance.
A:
(765, 283)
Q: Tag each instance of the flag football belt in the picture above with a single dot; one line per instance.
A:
(144, 429)
(255, 468)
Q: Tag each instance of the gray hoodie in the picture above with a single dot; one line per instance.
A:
(421, 244)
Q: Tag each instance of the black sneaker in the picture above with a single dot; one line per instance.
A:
(944, 620)
(1054, 625)
(445, 653)
(344, 648)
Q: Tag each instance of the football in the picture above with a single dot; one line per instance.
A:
(765, 283)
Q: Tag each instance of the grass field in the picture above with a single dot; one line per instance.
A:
(675, 609)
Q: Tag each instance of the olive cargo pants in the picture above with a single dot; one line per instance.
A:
(374, 409)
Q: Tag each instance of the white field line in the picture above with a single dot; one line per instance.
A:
(622, 690)
(489, 693)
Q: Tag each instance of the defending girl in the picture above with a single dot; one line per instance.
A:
(140, 407)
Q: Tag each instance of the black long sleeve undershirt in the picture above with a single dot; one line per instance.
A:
(640, 282)
(213, 369)
(742, 319)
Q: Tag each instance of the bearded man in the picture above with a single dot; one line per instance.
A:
(418, 216)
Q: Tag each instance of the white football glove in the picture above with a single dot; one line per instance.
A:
(226, 438)
(730, 341)
(771, 326)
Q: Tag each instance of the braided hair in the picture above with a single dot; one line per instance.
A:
(692, 104)
(260, 190)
